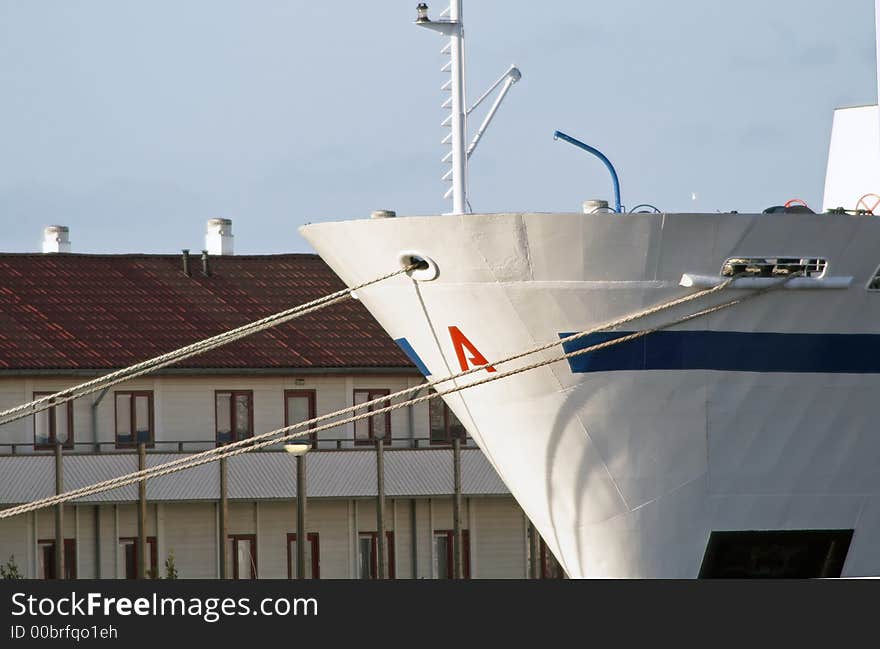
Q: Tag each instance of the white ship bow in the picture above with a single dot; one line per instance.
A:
(753, 418)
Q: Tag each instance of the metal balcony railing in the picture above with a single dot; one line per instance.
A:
(193, 446)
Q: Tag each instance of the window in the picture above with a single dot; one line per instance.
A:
(46, 554)
(444, 557)
(781, 554)
(128, 557)
(242, 555)
(367, 430)
(313, 562)
(550, 568)
(445, 426)
(368, 552)
(134, 418)
(53, 425)
(299, 406)
(234, 415)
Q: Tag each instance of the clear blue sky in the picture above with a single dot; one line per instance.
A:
(134, 121)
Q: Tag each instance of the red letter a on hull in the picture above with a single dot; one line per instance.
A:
(461, 343)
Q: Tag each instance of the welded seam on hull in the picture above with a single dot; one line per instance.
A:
(490, 269)
(511, 305)
(524, 237)
(671, 491)
(560, 386)
(595, 446)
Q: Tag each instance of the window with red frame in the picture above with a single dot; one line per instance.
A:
(46, 559)
(299, 406)
(367, 430)
(313, 557)
(53, 425)
(242, 555)
(445, 426)
(128, 557)
(368, 555)
(444, 557)
(234, 415)
(134, 418)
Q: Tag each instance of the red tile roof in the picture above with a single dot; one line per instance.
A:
(70, 311)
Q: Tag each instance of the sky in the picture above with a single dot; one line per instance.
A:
(133, 122)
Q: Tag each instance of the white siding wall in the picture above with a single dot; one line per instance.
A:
(189, 529)
(15, 543)
(85, 542)
(184, 405)
(184, 410)
(424, 538)
(327, 518)
(400, 509)
(330, 520)
(108, 542)
(277, 520)
(46, 523)
(501, 545)
(191, 533)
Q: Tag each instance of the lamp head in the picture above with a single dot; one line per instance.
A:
(298, 448)
(422, 13)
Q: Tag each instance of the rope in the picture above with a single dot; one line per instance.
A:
(150, 365)
(251, 440)
(251, 444)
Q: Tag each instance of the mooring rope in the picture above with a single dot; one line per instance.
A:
(188, 351)
(284, 434)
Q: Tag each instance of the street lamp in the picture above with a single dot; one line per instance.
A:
(380, 506)
(299, 449)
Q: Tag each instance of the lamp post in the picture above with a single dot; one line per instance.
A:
(458, 537)
(382, 568)
(141, 546)
(224, 518)
(299, 449)
(60, 568)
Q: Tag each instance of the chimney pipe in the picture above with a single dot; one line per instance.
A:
(218, 237)
(206, 266)
(186, 270)
(56, 238)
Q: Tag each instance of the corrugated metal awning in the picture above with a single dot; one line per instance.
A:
(257, 476)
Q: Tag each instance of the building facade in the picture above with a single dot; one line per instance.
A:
(68, 317)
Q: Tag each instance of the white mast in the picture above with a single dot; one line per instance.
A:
(451, 24)
(457, 121)
(459, 118)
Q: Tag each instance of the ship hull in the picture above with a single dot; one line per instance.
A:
(757, 417)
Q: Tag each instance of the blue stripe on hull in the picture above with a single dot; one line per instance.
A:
(730, 351)
(407, 348)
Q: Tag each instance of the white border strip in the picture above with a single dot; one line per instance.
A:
(692, 280)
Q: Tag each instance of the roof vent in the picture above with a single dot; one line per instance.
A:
(186, 268)
(56, 238)
(218, 238)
